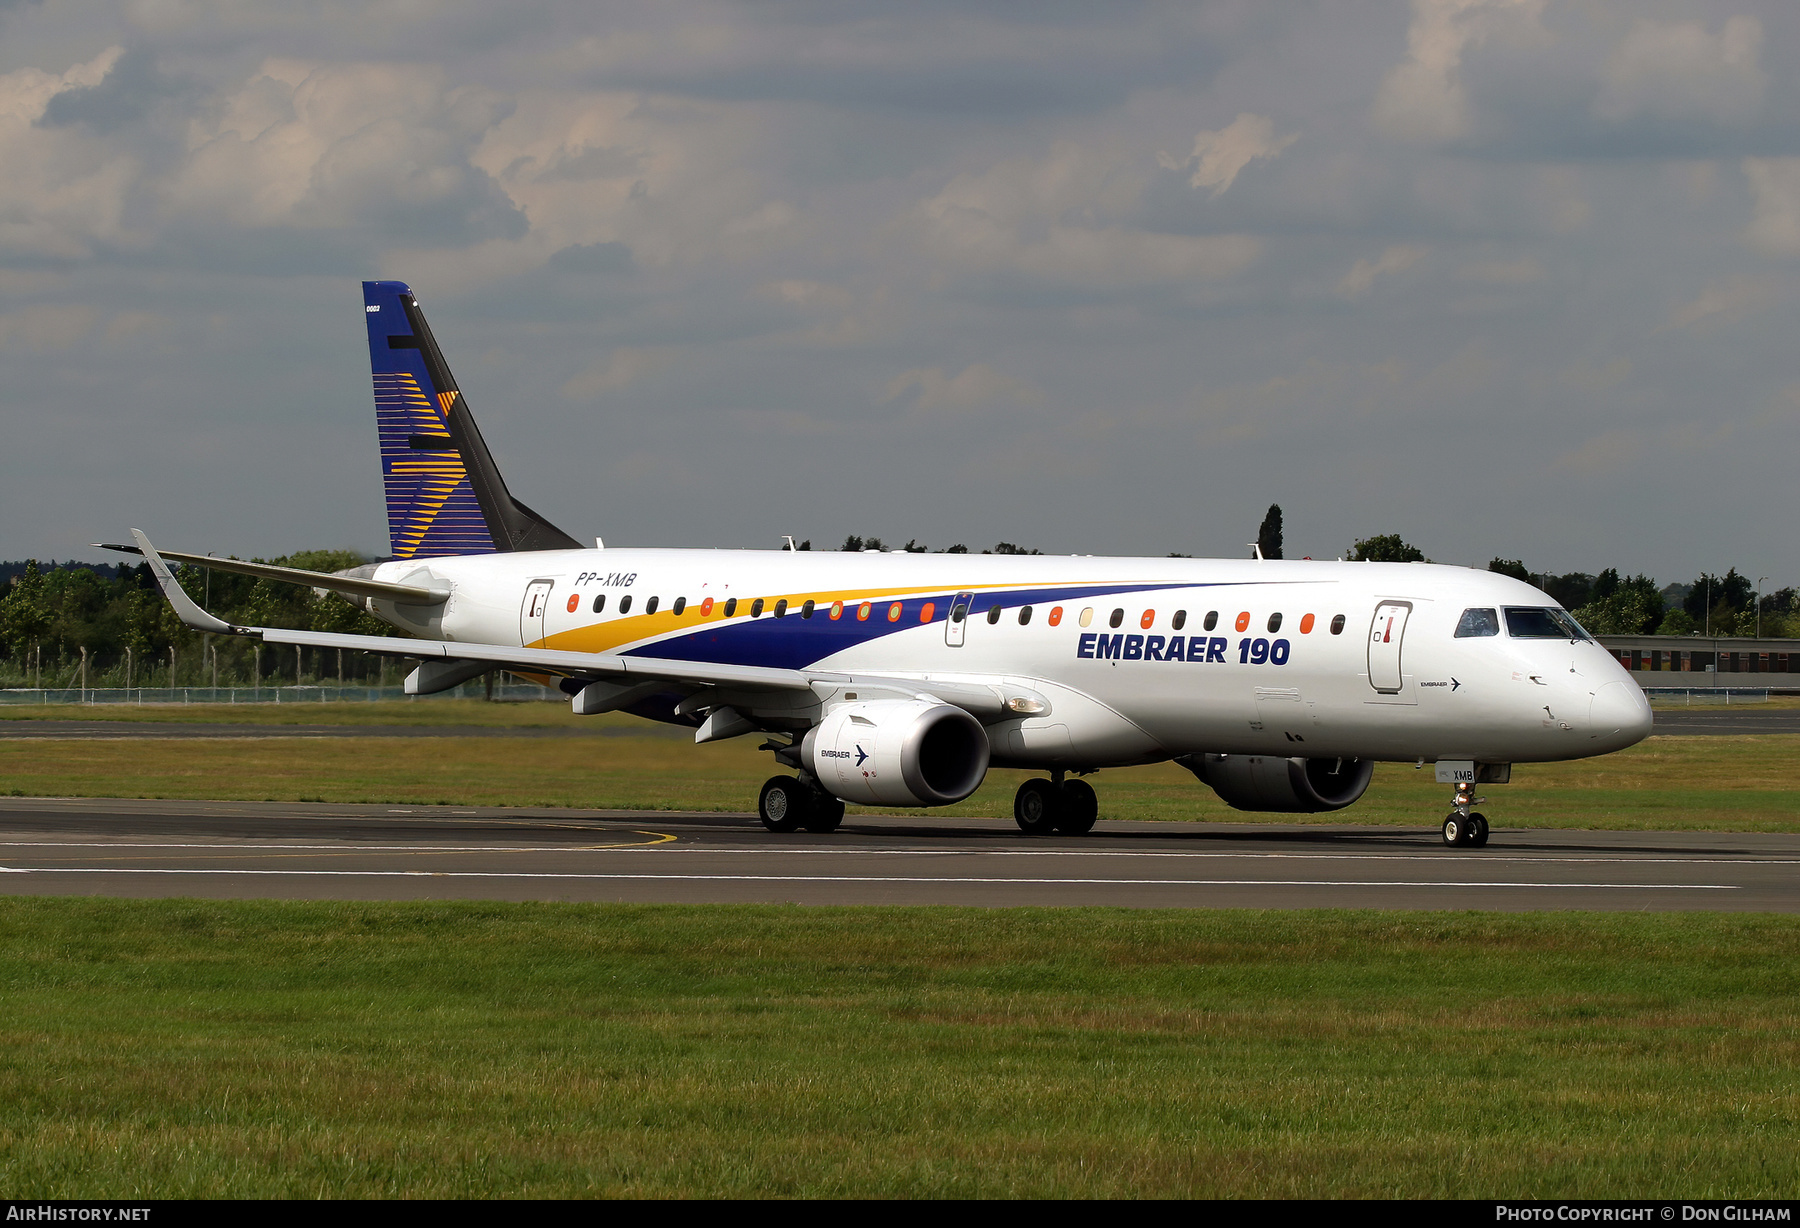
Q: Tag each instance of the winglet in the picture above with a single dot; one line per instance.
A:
(185, 609)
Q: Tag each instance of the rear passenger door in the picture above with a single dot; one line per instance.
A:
(531, 612)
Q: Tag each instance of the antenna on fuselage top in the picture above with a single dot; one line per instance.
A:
(789, 539)
(1257, 547)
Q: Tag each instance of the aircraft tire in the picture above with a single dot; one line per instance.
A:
(1456, 831)
(1080, 808)
(1478, 831)
(1036, 807)
(827, 813)
(784, 804)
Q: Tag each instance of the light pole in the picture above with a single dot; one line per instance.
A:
(1760, 580)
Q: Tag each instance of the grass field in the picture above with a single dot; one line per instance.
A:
(436, 712)
(1710, 783)
(175, 1048)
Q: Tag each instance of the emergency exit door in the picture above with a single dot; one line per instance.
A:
(1385, 636)
(531, 614)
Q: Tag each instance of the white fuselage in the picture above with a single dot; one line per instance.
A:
(1363, 662)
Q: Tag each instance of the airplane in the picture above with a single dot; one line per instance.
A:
(893, 679)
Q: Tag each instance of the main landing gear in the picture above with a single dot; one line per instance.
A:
(788, 804)
(1463, 828)
(1066, 806)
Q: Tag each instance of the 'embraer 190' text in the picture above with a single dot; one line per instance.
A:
(1198, 649)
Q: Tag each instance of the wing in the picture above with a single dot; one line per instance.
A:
(713, 685)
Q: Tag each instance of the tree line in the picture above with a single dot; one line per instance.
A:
(55, 617)
(1609, 603)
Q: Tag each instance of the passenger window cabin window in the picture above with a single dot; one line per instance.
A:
(1274, 623)
(1087, 617)
(1118, 616)
(806, 610)
(1179, 621)
(1024, 615)
(1210, 621)
(781, 608)
(730, 606)
(1478, 622)
(1148, 620)
(756, 608)
(650, 605)
(1337, 625)
(625, 604)
(680, 607)
(993, 614)
(1055, 616)
(599, 602)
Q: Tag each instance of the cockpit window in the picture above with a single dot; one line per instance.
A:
(1537, 623)
(1478, 622)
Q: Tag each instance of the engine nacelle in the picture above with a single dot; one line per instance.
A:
(904, 752)
(1290, 786)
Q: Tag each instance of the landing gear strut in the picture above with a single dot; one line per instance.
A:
(1066, 806)
(788, 804)
(1464, 828)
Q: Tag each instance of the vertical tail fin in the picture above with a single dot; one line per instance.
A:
(444, 493)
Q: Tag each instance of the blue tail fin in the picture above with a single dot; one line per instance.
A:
(444, 494)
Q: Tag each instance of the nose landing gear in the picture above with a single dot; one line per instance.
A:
(1464, 828)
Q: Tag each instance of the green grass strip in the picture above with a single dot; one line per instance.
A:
(179, 1048)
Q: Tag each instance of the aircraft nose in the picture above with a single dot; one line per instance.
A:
(1619, 716)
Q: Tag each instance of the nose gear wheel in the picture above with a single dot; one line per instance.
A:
(1463, 827)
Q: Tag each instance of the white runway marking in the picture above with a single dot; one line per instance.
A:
(694, 849)
(873, 878)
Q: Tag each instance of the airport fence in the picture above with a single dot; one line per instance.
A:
(1708, 695)
(510, 692)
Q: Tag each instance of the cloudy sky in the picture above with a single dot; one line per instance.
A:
(1511, 277)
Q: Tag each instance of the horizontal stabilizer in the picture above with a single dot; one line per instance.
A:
(355, 586)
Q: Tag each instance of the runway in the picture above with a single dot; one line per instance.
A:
(1676, 722)
(274, 850)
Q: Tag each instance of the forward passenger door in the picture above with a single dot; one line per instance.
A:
(1385, 635)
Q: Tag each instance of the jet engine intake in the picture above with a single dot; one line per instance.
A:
(1288, 786)
(910, 752)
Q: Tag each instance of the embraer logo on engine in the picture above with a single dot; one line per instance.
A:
(861, 754)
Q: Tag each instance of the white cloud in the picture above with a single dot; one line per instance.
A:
(49, 328)
(1775, 186)
(622, 368)
(978, 385)
(1728, 298)
(64, 191)
(1423, 97)
(1520, 272)
(344, 145)
(1396, 259)
(1219, 155)
(1064, 218)
(1676, 70)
